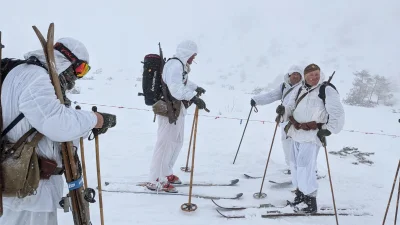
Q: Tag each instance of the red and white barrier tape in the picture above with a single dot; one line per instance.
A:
(233, 118)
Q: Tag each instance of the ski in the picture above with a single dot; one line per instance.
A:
(247, 176)
(185, 184)
(237, 196)
(251, 177)
(268, 205)
(244, 207)
(277, 213)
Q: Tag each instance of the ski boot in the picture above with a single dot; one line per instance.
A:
(299, 197)
(166, 187)
(172, 179)
(311, 204)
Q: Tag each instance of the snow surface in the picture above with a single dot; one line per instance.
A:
(243, 45)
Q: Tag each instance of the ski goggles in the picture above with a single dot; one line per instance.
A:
(81, 68)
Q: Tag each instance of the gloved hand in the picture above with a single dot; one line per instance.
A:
(109, 121)
(322, 133)
(253, 103)
(200, 90)
(199, 102)
(280, 110)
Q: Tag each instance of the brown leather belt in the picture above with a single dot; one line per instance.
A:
(305, 126)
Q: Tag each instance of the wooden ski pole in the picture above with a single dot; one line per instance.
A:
(259, 195)
(330, 181)
(186, 168)
(240, 143)
(83, 156)
(391, 193)
(188, 207)
(1, 127)
(96, 139)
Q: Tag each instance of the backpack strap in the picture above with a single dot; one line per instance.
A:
(283, 87)
(321, 94)
(35, 61)
(12, 124)
(301, 97)
(183, 66)
(290, 90)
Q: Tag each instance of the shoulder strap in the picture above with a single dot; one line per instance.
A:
(22, 139)
(290, 90)
(183, 66)
(321, 94)
(304, 95)
(283, 87)
(35, 61)
(12, 124)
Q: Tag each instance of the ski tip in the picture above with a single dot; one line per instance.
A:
(235, 181)
(220, 213)
(247, 176)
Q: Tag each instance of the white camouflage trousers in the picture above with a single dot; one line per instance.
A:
(28, 218)
(303, 167)
(168, 146)
(286, 145)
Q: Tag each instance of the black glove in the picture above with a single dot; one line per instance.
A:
(280, 110)
(200, 90)
(199, 102)
(253, 103)
(322, 133)
(110, 120)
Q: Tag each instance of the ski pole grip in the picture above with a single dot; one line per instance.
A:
(95, 130)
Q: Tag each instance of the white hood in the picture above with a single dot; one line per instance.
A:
(185, 50)
(63, 63)
(293, 69)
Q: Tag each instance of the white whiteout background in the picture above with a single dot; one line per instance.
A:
(243, 45)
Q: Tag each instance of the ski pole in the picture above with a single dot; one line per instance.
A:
(82, 156)
(391, 193)
(1, 127)
(397, 205)
(248, 118)
(186, 168)
(188, 207)
(330, 181)
(260, 195)
(96, 136)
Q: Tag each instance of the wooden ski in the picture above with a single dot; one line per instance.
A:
(80, 207)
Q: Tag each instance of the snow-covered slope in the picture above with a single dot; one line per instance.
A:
(243, 46)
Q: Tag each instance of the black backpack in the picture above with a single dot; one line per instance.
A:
(151, 78)
(7, 64)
